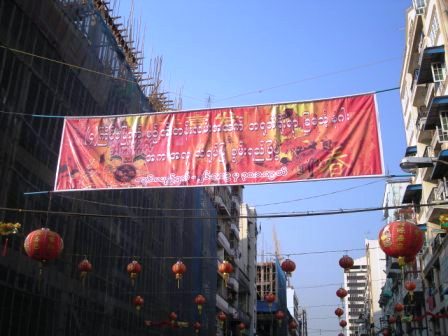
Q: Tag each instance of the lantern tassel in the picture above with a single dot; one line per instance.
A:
(5, 248)
(83, 279)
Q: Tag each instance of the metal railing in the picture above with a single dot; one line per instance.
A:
(437, 242)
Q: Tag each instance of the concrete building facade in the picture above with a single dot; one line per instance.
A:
(424, 100)
(376, 278)
(355, 282)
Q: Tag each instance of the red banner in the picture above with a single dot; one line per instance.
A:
(331, 138)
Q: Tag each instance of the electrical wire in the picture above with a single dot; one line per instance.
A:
(74, 66)
(317, 196)
(328, 74)
(196, 257)
(63, 195)
(258, 216)
(316, 252)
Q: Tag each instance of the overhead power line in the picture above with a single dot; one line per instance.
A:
(133, 81)
(74, 66)
(277, 215)
(328, 74)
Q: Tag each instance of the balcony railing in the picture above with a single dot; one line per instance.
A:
(437, 242)
(429, 152)
(438, 193)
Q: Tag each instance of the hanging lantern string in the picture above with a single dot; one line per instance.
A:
(267, 215)
(50, 195)
(315, 252)
(138, 257)
(212, 258)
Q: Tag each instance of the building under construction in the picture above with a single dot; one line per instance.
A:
(271, 280)
(73, 57)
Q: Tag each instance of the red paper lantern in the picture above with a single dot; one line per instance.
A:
(199, 300)
(225, 268)
(133, 269)
(196, 327)
(84, 268)
(385, 332)
(392, 319)
(138, 302)
(410, 287)
(288, 266)
(343, 323)
(43, 245)
(279, 316)
(401, 239)
(269, 298)
(172, 317)
(339, 312)
(241, 326)
(292, 325)
(399, 308)
(179, 269)
(346, 263)
(341, 293)
(221, 318)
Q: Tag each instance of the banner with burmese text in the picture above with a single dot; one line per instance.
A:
(322, 139)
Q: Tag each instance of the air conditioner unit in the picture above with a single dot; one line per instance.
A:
(419, 6)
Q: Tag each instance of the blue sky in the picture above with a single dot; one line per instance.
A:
(264, 51)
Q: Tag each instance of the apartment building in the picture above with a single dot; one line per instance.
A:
(375, 280)
(424, 99)
(271, 279)
(355, 282)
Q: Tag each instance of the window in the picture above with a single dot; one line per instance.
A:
(444, 120)
(434, 30)
(438, 71)
(419, 6)
(443, 132)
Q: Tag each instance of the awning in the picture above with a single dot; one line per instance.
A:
(411, 151)
(440, 166)
(438, 104)
(413, 194)
(423, 227)
(263, 307)
(430, 55)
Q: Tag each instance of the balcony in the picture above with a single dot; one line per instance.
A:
(235, 230)
(432, 252)
(422, 135)
(224, 242)
(412, 194)
(392, 269)
(222, 304)
(441, 164)
(418, 91)
(430, 55)
(437, 242)
(233, 283)
(438, 104)
(223, 208)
